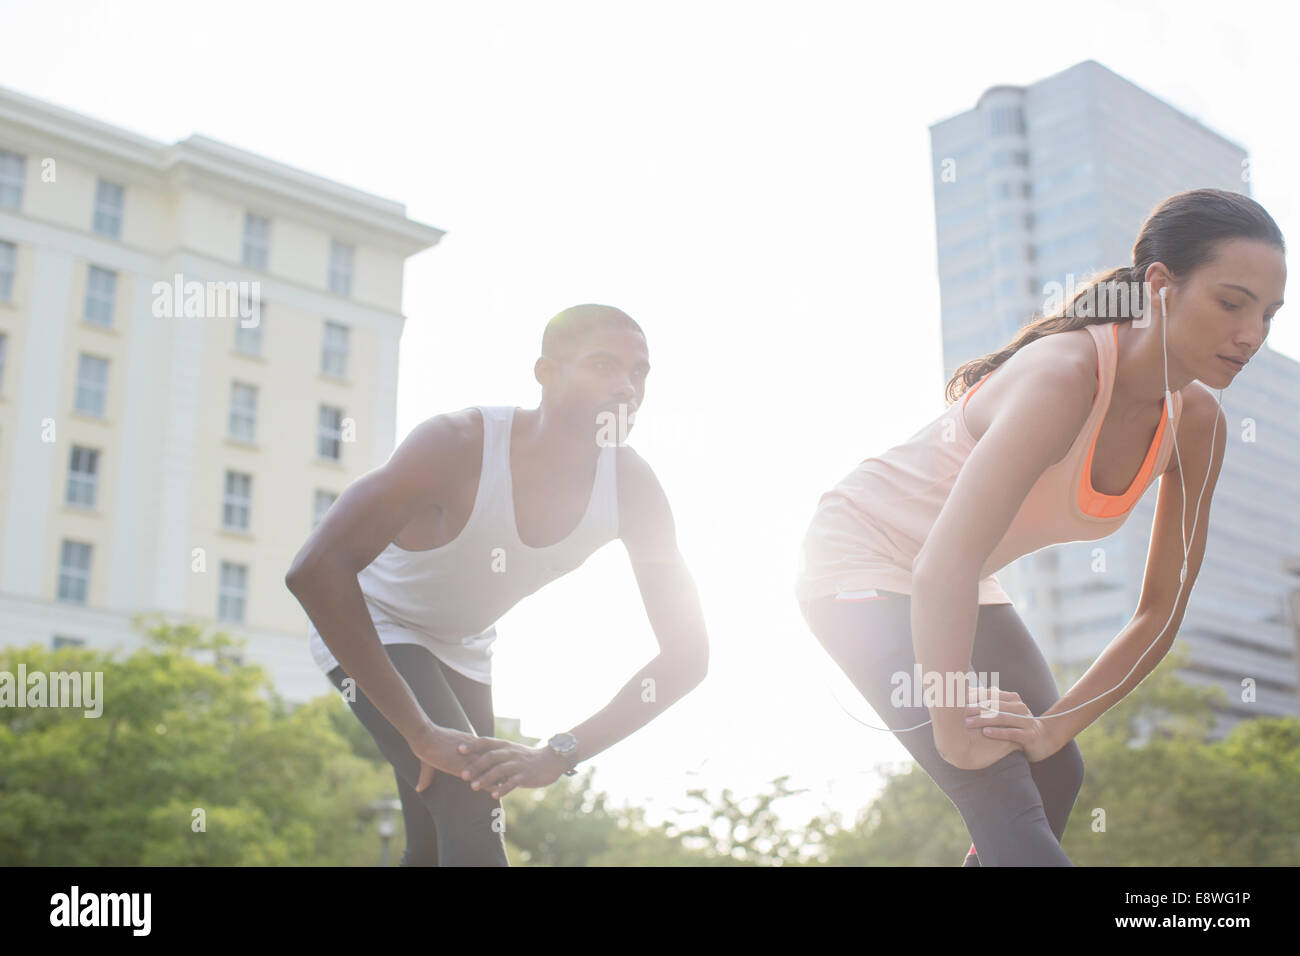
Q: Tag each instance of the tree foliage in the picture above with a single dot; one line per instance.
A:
(197, 761)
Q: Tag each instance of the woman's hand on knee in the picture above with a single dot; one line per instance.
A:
(978, 752)
(1001, 715)
(964, 748)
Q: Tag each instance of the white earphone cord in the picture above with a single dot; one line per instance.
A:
(1182, 576)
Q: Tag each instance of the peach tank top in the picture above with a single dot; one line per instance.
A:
(868, 529)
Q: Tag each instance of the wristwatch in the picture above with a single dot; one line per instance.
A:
(565, 746)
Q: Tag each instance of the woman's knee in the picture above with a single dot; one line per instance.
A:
(1004, 783)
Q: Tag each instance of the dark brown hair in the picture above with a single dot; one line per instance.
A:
(1183, 232)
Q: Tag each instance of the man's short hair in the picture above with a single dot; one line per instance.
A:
(566, 330)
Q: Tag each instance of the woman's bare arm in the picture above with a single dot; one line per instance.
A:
(1038, 415)
(1157, 609)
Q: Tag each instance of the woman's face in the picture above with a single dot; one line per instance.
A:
(1225, 309)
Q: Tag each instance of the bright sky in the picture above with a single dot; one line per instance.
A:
(750, 181)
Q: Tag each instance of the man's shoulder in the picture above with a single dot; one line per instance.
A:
(638, 486)
(455, 437)
(630, 468)
(459, 426)
(645, 516)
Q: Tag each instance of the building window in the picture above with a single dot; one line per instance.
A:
(74, 572)
(248, 339)
(13, 175)
(101, 293)
(340, 268)
(334, 352)
(83, 472)
(1008, 254)
(108, 209)
(243, 411)
(322, 504)
(233, 592)
(257, 241)
(60, 641)
(329, 437)
(1006, 120)
(1004, 157)
(8, 265)
(237, 502)
(92, 385)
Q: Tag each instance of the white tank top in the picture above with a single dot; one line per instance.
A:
(448, 599)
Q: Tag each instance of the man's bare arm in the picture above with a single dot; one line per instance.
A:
(672, 604)
(362, 522)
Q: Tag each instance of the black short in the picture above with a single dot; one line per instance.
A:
(448, 824)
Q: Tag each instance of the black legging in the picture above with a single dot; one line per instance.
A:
(1015, 810)
(448, 824)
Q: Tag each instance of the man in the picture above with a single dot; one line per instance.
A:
(406, 575)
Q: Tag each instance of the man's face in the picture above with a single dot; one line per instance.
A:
(608, 370)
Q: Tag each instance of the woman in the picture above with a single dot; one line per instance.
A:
(1092, 404)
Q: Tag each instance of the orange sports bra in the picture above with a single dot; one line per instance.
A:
(1091, 501)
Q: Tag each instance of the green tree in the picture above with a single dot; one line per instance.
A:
(571, 823)
(191, 762)
(746, 831)
(197, 761)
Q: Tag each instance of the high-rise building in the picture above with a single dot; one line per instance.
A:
(198, 352)
(1050, 183)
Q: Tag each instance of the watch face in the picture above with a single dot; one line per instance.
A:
(563, 743)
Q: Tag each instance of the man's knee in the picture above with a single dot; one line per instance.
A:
(473, 845)
(470, 824)
(1071, 769)
(420, 855)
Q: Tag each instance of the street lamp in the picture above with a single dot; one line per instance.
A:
(385, 809)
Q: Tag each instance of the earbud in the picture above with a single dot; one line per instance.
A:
(1169, 401)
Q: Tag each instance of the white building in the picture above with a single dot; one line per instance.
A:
(166, 451)
(1054, 179)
